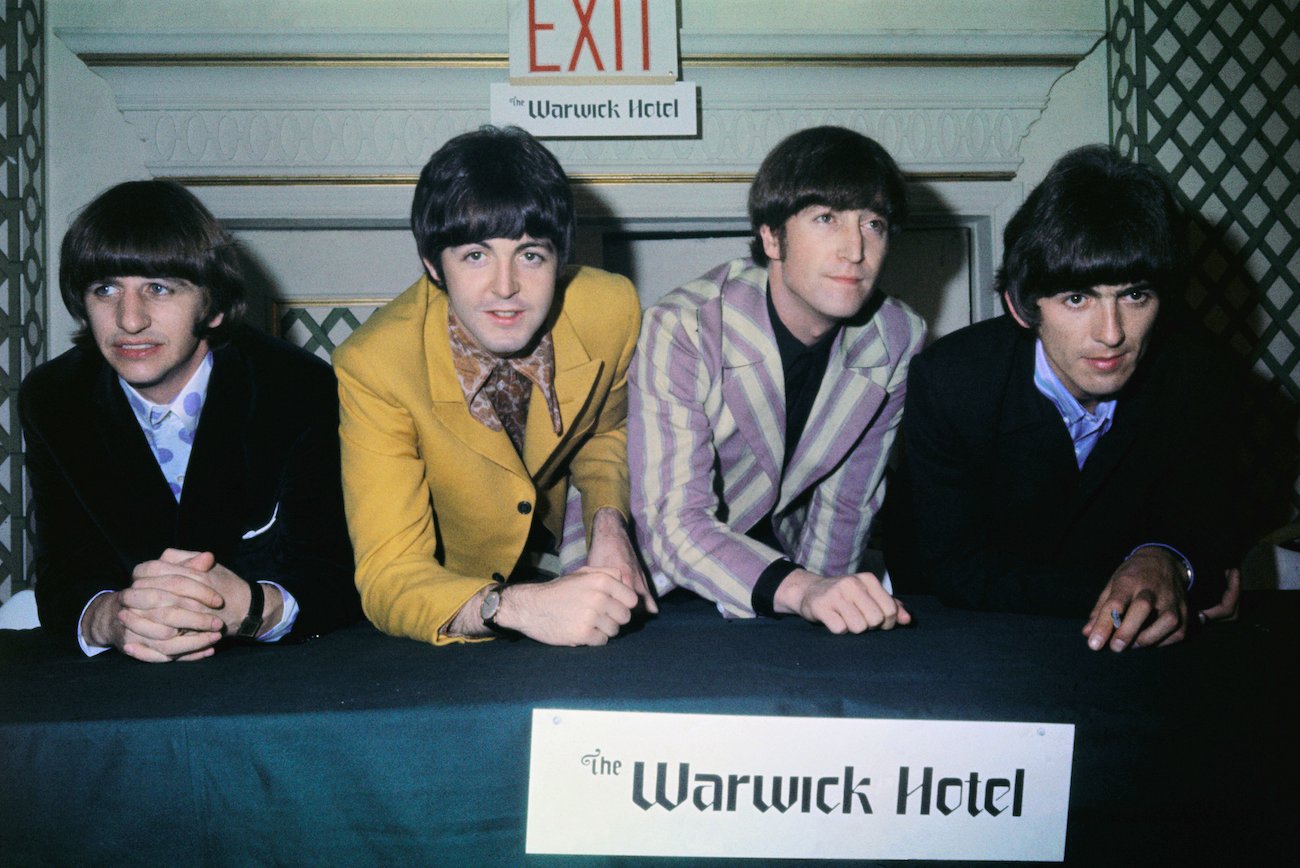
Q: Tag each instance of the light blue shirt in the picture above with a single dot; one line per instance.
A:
(170, 428)
(1085, 428)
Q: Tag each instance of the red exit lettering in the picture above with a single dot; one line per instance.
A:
(533, 27)
(587, 36)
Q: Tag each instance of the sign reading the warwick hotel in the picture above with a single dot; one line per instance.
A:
(595, 68)
(632, 784)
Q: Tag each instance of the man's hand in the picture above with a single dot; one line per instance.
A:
(1226, 608)
(1143, 604)
(159, 618)
(234, 591)
(843, 604)
(611, 550)
(177, 608)
(585, 607)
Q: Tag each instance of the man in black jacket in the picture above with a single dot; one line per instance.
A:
(1074, 455)
(184, 470)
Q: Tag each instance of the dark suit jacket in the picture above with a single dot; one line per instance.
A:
(267, 439)
(990, 510)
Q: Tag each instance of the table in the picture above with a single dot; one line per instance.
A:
(358, 748)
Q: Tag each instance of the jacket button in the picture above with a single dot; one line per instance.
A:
(497, 577)
(525, 507)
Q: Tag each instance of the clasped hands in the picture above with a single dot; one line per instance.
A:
(177, 608)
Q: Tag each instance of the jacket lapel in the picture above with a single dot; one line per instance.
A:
(1036, 439)
(1035, 448)
(128, 488)
(753, 386)
(447, 399)
(575, 377)
(851, 394)
(213, 498)
(1114, 445)
(1105, 457)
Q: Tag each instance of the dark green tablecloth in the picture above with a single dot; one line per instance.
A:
(359, 749)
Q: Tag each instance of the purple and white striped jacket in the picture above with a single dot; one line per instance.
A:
(706, 437)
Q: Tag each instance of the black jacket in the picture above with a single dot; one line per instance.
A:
(267, 444)
(990, 509)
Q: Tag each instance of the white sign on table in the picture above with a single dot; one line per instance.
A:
(642, 784)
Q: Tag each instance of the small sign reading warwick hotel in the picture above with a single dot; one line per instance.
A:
(595, 68)
(644, 784)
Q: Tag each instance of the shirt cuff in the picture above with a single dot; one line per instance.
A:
(1187, 565)
(763, 598)
(86, 648)
(288, 615)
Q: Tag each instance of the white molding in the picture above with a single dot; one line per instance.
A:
(275, 121)
(962, 103)
(694, 43)
(929, 44)
(88, 42)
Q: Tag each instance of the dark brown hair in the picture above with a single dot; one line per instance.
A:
(153, 229)
(830, 166)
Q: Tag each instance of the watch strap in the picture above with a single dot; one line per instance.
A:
(252, 623)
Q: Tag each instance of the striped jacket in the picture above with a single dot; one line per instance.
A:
(706, 438)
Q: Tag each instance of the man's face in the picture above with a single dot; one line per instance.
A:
(822, 272)
(1094, 338)
(501, 290)
(144, 327)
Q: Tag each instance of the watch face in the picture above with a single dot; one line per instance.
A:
(491, 602)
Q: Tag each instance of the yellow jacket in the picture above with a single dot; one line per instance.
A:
(438, 505)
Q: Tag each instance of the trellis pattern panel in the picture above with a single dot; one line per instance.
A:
(1208, 91)
(319, 326)
(22, 280)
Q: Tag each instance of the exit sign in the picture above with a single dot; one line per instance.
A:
(593, 41)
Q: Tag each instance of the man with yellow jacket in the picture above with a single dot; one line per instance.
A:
(482, 416)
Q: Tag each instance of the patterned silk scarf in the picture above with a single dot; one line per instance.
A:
(496, 389)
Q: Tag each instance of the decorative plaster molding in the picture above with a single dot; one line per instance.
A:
(246, 122)
(280, 104)
(184, 47)
(250, 143)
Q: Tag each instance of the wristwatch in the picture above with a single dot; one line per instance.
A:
(489, 608)
(252, 623)
(491, 603)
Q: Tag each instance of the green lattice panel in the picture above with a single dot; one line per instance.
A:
(319, 327)
(1208, 91)
(22, 275)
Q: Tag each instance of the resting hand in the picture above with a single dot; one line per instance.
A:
(157, 619)
(1226, 608)
(234, 591)
(1148, 596)
(611, 550)
(585, 607)
(843, 604)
